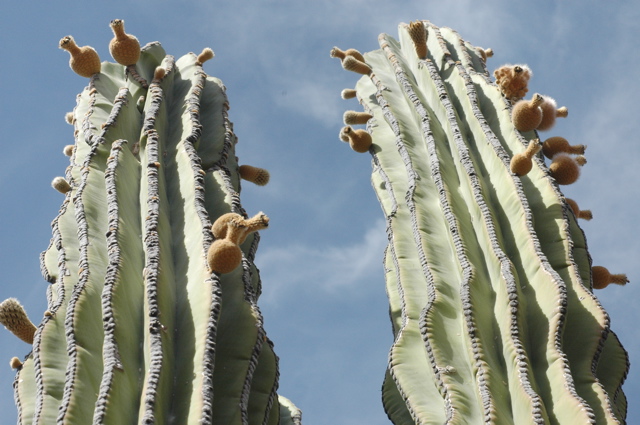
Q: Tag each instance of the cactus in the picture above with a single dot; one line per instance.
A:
(137, 328)
(487, 273)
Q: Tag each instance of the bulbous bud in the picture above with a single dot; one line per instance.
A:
(124, 48)
(527, 114)
(564, 169)
(224, 256)
(343, 54)
(521, 163)
(352, 64)
(68, 150)
(602, 278)
(359, 140)
(550, 111)
(84, 60)
(554, 145)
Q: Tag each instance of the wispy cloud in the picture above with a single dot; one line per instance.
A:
(330, 268)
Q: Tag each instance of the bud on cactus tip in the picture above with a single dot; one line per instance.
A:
(124, 48)
(527, 115)
(61, 185)
(255, 175)
(159, 73)
(84, 60)
(206, 54)
(418, 34)
(359, 140)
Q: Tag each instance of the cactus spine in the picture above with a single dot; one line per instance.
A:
(487, 273)
(137, 328)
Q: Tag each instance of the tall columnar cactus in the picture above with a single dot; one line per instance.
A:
(487, 273)
(138, 328)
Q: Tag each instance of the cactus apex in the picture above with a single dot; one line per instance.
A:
(124, 48)
(61, 185)
(205, 55)
(15, 363)
(255, 175)
(350, 63)
(84, 60)
(15, 319)
(348, 94)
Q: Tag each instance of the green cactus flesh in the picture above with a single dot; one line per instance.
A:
(487, 274)
(140, 330)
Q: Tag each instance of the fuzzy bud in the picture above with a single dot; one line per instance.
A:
(554, 145)
(602, 278)
(84, 61)
(352, 64)
(15, 363)
(348, 94)
(583, 214)
(343, 54)
(159, 74)
(513, 80)
(550, 111)
(418, 34)
(61, 185)
(255, 175)
(359, 140)
(68, 150)
(204, 56)
(521, 163)
(527, 114)
(124, 48)
(564, 169)
(14, 318)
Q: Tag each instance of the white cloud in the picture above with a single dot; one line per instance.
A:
(329, 268)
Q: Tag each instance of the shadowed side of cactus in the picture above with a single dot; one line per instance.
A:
(138, 329)
(487, 273)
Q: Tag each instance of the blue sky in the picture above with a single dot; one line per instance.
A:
(323, 299)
